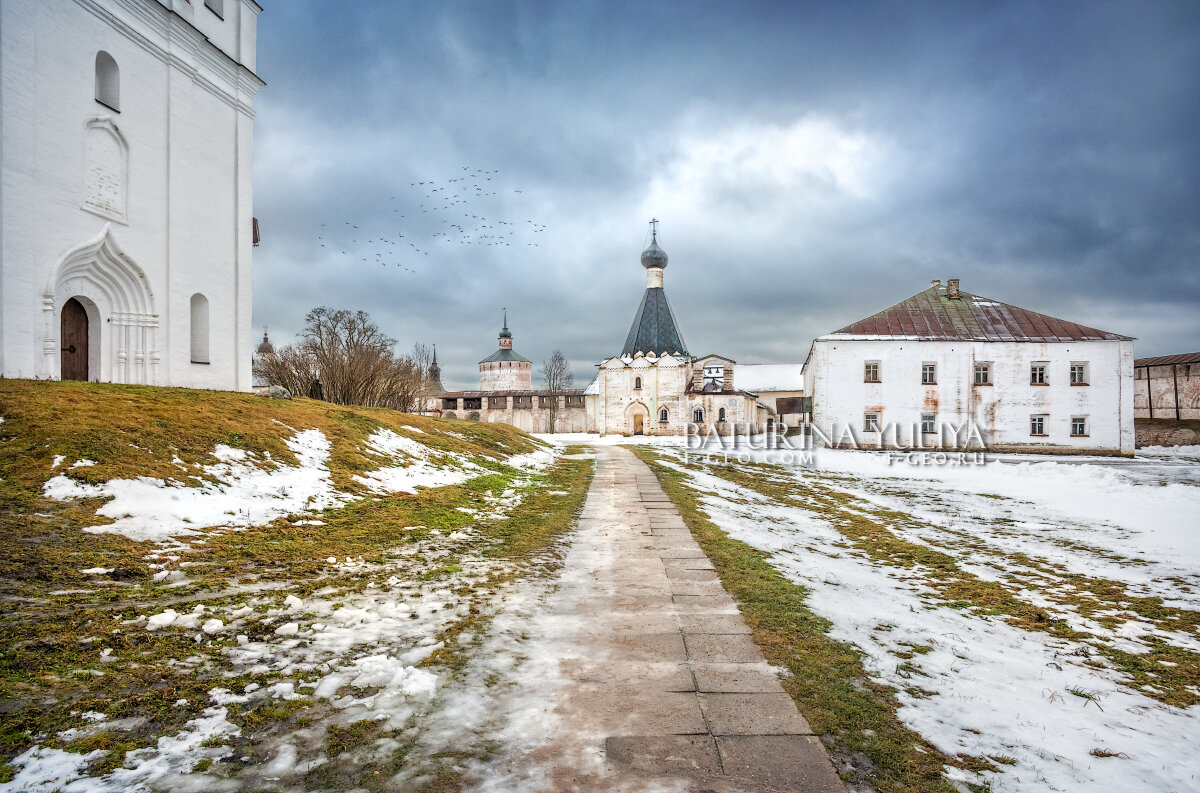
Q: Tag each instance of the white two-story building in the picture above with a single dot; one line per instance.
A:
(949, 368)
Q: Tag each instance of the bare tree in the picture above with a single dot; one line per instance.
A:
(343, 357)
(422, 357)
(556, 371)
(289, 367)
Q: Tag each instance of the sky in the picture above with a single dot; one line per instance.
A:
(810, 164)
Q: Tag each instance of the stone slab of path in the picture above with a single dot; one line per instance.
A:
(658, 676)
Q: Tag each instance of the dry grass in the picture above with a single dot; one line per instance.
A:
(56, 619)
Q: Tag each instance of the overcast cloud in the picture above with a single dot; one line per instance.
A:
(811, 164)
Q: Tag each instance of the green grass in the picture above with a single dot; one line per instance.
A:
(827, 679)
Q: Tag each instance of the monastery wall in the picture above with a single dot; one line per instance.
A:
(1163, 383)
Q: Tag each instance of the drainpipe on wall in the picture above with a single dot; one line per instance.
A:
(1175, 375)
(1149, 393)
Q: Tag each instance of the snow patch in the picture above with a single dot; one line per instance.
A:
(244, 494)
(980, 686)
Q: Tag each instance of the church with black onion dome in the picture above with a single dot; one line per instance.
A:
(655, 386)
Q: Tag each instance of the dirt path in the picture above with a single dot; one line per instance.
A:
(641, 674)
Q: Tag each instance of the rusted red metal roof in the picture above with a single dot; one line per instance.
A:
(933, 316)
(1167, 360)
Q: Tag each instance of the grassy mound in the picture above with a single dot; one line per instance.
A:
(78, 640)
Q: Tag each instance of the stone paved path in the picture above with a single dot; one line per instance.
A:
(659, 684)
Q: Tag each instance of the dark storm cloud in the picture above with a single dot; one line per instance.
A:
(811, 163)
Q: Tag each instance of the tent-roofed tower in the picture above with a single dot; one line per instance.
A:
(435, 376)
(505, 369)
(654, 327)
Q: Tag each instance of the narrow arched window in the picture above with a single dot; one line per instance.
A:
(199, 328)
(108, 81)
(663, 415)
(721, 414)
(637, 383)
(698, 416)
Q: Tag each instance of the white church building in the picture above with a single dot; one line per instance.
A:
(928, 369)
(126, 226)
(655, 386)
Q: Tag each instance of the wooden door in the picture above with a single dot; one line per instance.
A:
(73, 338)
(637, 423)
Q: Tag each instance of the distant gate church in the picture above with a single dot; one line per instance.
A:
(653, 387)
(126, 231)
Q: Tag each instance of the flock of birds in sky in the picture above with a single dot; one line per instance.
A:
(451, 202)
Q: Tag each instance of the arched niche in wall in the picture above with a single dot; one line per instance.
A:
(108, 81)
(106, 170)
(199, 328)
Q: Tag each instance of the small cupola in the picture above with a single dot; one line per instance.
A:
(654, 256)
(265, 347)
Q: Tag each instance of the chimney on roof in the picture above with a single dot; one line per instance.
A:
(952, 288)
(936, 282)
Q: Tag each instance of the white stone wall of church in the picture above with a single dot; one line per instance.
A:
(187, 183)
(1002, 411)
(662, 386)
(589, 407)
(506, 376)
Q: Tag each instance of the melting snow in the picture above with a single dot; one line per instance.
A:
(245, 494)
(984, 687)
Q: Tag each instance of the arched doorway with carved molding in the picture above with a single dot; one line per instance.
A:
(636, 418)
(98, 300)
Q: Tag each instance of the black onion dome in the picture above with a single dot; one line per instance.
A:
(654, 256)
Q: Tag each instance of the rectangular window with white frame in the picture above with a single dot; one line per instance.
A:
(1079, 373)
(928, 373)
(983, 373)
(870, 422)
(1037, 373)
(1037, 425)
(871, 372)
(928, 423)
(1079, 426)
